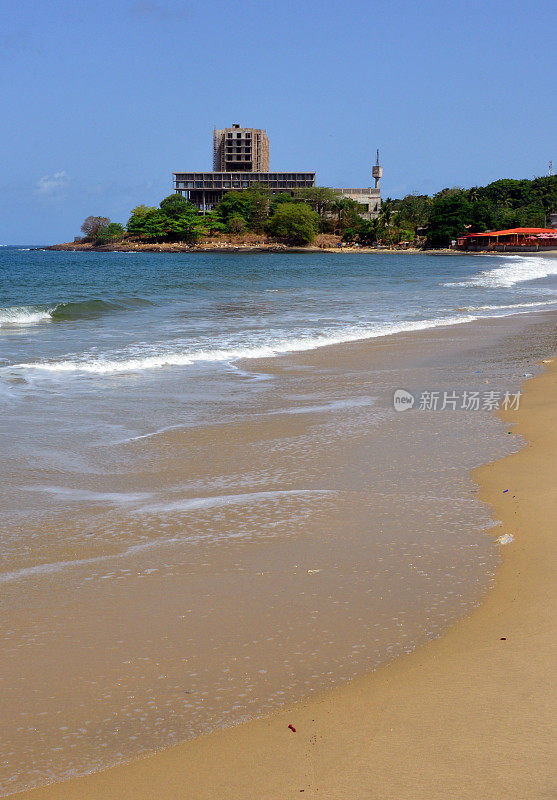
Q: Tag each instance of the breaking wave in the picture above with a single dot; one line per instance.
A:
(23, 315)
(122, 364)
(518, 269)
(62, 312)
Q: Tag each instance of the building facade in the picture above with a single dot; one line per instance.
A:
(239, 149)
(241, 161)
(206, 189)
(368, 198)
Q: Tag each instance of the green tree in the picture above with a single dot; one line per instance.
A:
(140, 211)
(296, 223)
(261, 206)
(182, 223)
(386, 217)
(112, 232)
(174, 204)
(279, 199)
(449, 191)
(138, 219)
(482, 215)
(153, 225)
(236, 224)
(235, 204)
(413, 210)
(364, 231)
(213, 223)
(175, 220)
(450, 214)
(346, 212)
(319, 198)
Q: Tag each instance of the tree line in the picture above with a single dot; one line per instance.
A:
(423, 220)
(295, 219)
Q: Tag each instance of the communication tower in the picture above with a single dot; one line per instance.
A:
(377, 171)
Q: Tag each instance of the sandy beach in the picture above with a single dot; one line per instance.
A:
(468, 715)
(278, 393)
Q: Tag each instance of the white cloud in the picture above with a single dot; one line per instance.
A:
(50, 185)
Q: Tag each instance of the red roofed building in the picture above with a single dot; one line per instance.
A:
(510, 239)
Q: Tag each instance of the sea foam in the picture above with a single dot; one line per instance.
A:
(183, 505)
(511, 306)
(102, 366)
(23, 315)
(518, 269)
(67, 311)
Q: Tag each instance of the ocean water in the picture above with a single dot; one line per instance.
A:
(204, 513)
(112, 313)
(100, 329)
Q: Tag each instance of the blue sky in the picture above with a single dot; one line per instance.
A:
(101, 102)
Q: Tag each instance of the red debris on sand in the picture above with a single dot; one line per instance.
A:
(292, 728)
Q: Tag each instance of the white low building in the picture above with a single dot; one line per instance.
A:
(369, 199)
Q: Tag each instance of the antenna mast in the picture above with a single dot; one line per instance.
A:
(377, 171)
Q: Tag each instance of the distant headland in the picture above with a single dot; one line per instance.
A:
(242, 205)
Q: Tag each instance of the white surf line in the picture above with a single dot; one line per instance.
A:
(195, 503)
(511, 305)
(23, 315)
(80, 495)
(100, 366)
(519, 270)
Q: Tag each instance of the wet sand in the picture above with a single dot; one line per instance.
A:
(468, 715)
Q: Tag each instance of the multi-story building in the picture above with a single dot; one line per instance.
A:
(206, 189)
(239, 149)
(240, 161)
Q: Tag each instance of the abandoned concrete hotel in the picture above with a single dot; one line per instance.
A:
(241, 161)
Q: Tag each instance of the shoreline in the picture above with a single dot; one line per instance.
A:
(455, 702)
(228, 248)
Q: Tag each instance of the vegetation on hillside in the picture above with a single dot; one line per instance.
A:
(298, 219)
(505, 203)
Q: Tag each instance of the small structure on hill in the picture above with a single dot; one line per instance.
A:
(369, 198)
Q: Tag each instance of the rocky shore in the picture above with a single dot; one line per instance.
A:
(221, 246)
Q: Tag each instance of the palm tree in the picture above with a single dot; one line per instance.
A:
(386, 215)
(474, 194)
(342, 206)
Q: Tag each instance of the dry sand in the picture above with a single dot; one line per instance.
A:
(469, 716)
